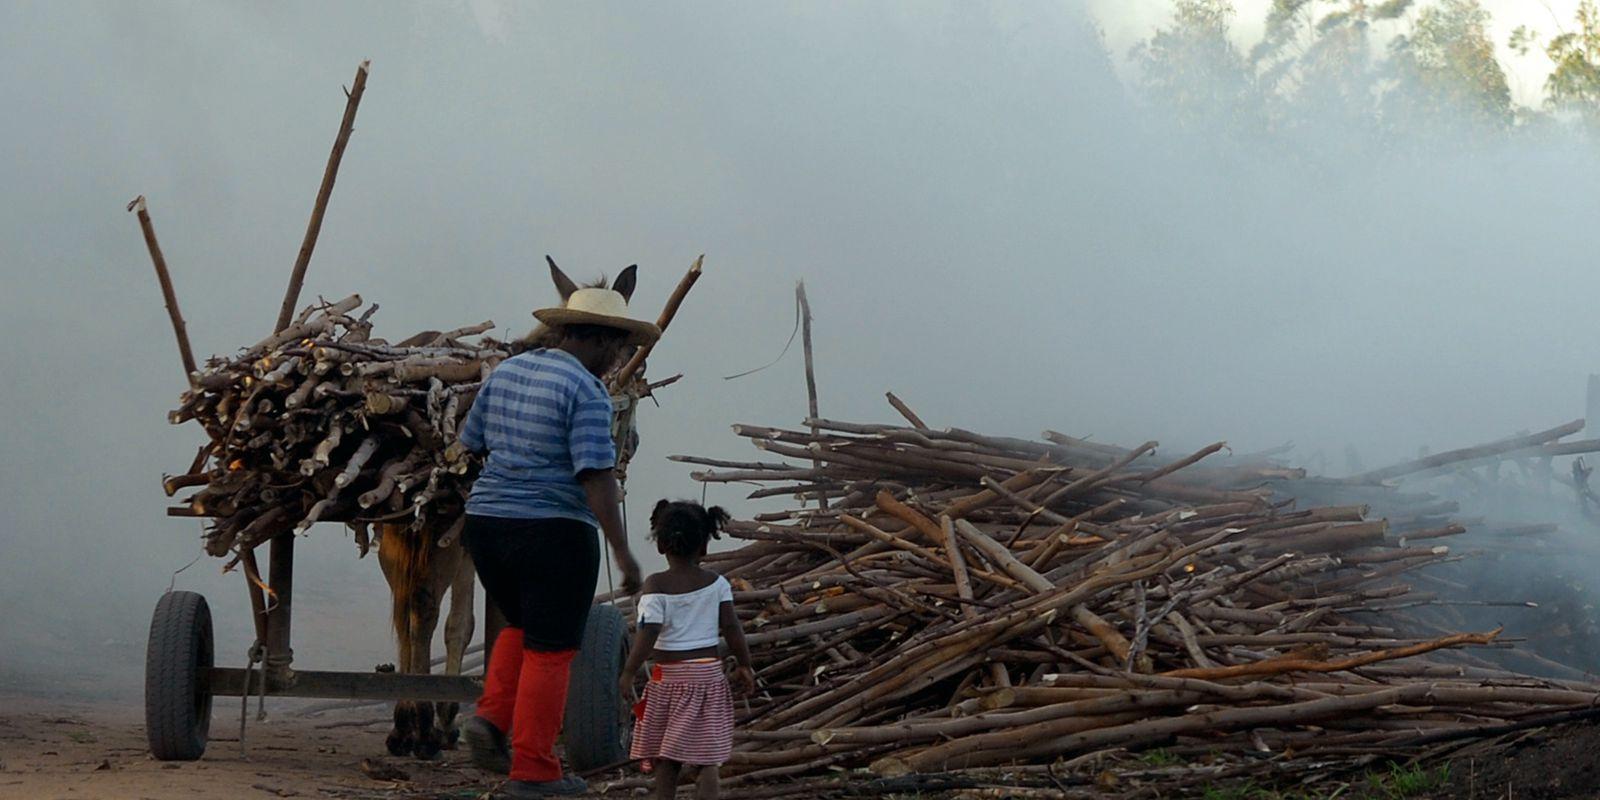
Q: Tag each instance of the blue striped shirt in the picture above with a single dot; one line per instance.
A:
(543, 419)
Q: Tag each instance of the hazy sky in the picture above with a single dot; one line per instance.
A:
(986, 223)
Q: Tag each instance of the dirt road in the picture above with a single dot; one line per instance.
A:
(66, 751)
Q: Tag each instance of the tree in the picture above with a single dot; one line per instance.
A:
(1574, 84)
(1316, 60)
(1446, 72)
(1192, 68)
(1300, 37)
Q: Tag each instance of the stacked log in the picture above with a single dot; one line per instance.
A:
(968, 602)
(323, 422)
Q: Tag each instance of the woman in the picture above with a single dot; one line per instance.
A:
(543, 421)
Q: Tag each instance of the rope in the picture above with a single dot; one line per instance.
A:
(173, 584)
(261, 698)
(786, 346)
(256, 655)
(622, 435)
(611, 587)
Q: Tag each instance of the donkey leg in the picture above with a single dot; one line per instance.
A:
(458, 627)
(402, 736)
(429, 743)
(424, 622)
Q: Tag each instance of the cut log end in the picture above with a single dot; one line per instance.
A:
(890, 767)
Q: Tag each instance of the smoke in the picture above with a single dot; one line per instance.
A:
(990, 222)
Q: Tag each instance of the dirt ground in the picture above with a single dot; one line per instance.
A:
(1560, 763)
(50, 750)
(56, 751)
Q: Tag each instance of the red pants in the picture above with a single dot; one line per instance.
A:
(525, 694)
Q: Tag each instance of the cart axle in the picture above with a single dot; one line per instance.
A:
(230, 681)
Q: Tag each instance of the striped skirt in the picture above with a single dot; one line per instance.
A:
(688, 714)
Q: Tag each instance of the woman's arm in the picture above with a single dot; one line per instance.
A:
(605, 500)
(744, 677)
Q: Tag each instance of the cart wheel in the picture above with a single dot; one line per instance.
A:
(177, 705)
(599, 720)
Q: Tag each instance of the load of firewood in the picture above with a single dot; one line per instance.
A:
(323, 422)
(948, 603)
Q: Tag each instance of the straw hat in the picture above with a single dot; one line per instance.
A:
(597, 306)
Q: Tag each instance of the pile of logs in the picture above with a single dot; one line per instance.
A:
(946, 602)
(1521, 529)
(323, 422)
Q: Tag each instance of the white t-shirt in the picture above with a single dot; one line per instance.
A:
(688, 621)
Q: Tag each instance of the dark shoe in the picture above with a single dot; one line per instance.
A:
(524, 790)
(487, 745)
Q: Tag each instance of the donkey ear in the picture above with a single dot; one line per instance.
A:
(564, 284)
(625, 282)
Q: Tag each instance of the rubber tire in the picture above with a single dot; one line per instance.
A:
(594, 730)
(177, 705)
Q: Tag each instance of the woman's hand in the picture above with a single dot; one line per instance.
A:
(630, 572)
(743, 681)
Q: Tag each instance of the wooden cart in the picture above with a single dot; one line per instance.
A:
(182, 678)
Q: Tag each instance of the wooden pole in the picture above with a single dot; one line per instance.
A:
(1466, 453)
(811, 375)
(297, 278)
(258, 602)
(178, 328)
(280, 559)
(1592, 402)
(671, 310)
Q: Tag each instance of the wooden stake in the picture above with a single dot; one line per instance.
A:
(297, 278)
(179, 330)
(1592, 402)
(811, 375)
(628, 370)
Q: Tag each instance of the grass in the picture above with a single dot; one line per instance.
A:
(1403, 782)
(1250, 791)
(1159, 757)
(1396, 783)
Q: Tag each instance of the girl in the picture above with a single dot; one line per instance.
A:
(688, 704)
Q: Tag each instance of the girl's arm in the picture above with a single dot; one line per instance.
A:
(744, 678)
(644, 642)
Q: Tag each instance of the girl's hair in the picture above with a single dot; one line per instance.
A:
(682, 528)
